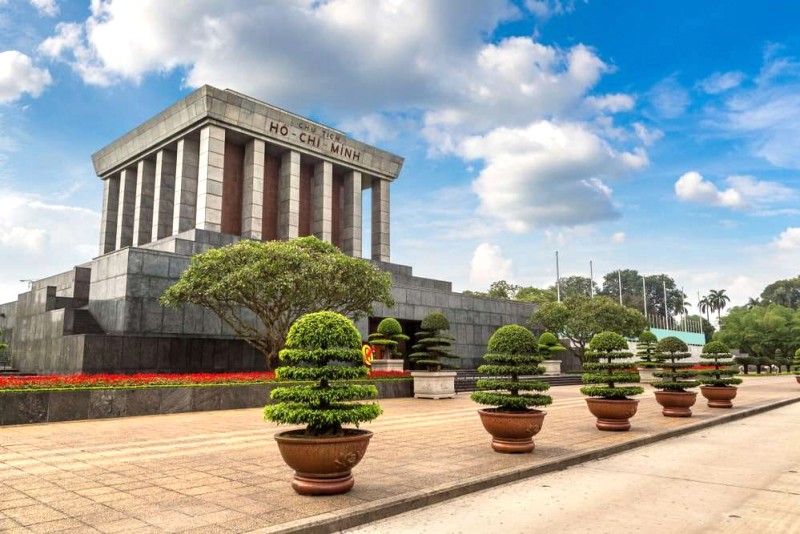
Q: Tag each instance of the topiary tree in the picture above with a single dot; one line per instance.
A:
(550, 346)
(797, 363)
(676, 375)
(602, 366)
(717, 354)
(646, 349)
(387, 336)
(260, 288)
(513, 351)
(433, 343)
(323, 347)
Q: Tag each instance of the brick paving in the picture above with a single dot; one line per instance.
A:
(221, 471)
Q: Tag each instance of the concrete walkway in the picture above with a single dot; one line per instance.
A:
(739, 477)
(221, 472)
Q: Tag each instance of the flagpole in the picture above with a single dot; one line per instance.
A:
(591, 279)
(666, 313)
(558, 280)
(619, 277)
(644, 297)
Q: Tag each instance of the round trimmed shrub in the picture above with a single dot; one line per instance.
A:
(602, 366)
(717, 354)
(322, 347)
(387, 336)
(676, 375)
(513, 352)
(646, 349)
(432, 349)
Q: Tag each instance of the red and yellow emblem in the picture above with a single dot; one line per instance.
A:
(368, 353)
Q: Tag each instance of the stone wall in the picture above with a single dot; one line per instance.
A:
(51, 406)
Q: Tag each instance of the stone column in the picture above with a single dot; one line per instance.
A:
(322, 197)
(185, 205)
(351, 216)
(253, 189)
(125, 207)
(108, 222)
(380, 219)
(164, 197)
(289, 196)
(209, 178)
(143, 210)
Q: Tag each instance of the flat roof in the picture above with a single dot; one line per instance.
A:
(235, 111)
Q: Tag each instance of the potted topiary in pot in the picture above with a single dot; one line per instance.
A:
(646, 351)
(385, 339)
(675, 378)
(431, 352)
(550, 346)
(513, 351)
(322, 348)
(609, 402)
(719, 382)
(797, 365)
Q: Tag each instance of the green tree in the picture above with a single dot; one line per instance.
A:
(646, 349)
(654, 285)
(513, 352)
(760, 331)
(260, 289)
(783, 292)
(675, 375)
(550, 346)
(704, 305)
(576, 286)
(387, 337)
(718, 300)
(580, 319)
(323, 347)
(600, 368)
(536, 295)
(433, 347)
(717, 354)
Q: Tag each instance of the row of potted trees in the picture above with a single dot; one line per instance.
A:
(609, 400)
(323, 352)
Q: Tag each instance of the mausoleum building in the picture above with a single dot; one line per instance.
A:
(214, 168)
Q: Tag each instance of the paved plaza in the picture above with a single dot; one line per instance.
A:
(221, 471)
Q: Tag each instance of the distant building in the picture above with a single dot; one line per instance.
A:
(214, 168)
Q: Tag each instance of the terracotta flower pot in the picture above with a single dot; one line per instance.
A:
(719, 396)
(322, 465)
(512, 432)
(613, 414)
(676, 403)
(798, 379)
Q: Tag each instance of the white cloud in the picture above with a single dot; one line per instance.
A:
(547, 174)
(18, 76)
(743, 191)
(39, 238)
(646, 135)
(767, 114)
(618, 237)
(545, 9)
(789, 239)
(488, 265)
(48, 8)
(613, 103)
(719, 82)
(669, 98)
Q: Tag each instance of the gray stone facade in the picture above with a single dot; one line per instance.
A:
(212, 169)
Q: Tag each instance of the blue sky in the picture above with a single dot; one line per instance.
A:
(660, 136)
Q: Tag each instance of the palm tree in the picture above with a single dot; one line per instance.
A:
(752, 303)
(704, 305)
(718, 299)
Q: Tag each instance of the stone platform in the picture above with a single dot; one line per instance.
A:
(221, 471)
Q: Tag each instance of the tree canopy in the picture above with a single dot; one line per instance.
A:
(260, 288)
(761, 330)
(580, 319)
(783, 292)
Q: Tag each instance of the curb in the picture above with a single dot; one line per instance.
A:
(343, 519)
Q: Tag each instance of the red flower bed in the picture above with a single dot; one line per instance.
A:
(702, 367)
(100, 381)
